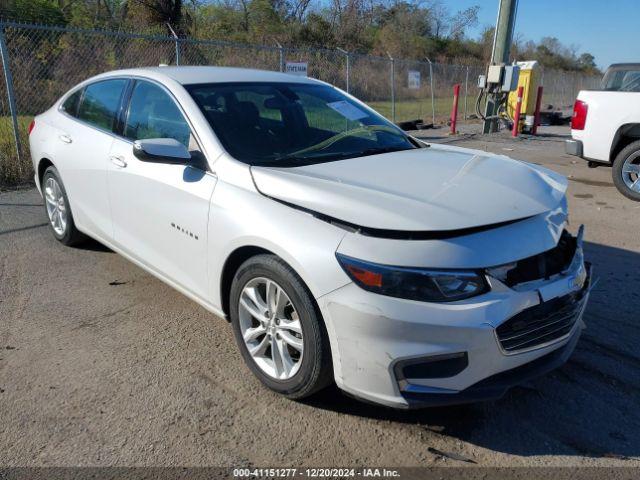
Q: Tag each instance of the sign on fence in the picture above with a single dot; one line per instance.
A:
(414, 79)
(297, 68)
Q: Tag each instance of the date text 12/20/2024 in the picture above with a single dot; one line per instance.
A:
(315, 473)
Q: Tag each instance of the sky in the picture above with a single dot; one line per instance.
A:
(605, 28)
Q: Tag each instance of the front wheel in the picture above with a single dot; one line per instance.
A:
(626, 171)
(278, 328)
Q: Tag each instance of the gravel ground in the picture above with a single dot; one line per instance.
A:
(102, 364)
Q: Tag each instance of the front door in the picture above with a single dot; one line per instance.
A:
(160, 211)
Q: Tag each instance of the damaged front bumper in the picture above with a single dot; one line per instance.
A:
(408, 354)
(496, 386)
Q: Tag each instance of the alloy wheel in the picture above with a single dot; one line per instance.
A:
(631, 172)
(56, 206)
(271, 328)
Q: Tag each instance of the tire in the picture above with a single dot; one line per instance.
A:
(313, 370)
(58, 209)
(626, 170)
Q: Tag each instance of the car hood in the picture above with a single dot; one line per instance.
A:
(438, 188)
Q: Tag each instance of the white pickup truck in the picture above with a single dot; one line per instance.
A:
(605, 127)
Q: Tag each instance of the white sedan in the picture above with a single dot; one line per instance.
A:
(339, 248)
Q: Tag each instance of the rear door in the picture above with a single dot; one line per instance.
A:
(85, 135)
(160, 211)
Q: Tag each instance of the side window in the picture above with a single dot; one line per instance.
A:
(70, 105)
(99, 105)
(154, 114)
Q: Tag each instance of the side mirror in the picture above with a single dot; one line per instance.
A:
(161, 150)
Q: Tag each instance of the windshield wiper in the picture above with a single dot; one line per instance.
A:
(296, 160)
(380, 150)
(299, 160)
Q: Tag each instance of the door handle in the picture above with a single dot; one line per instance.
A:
(118, 161)
(65, 138)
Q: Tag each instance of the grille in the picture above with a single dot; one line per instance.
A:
(541, 324)
(541, 266)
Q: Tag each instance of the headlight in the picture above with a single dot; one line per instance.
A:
(414, 283)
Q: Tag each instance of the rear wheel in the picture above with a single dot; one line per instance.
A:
(626, 171)
(58, 209)
(278, 328)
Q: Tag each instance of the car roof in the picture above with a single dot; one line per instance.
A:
(204, 74)
(623, 65)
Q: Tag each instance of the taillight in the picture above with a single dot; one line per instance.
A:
(31, 125)
(579, 117)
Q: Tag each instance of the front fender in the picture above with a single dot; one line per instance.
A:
(239, 218)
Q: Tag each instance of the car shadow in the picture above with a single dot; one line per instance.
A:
(588, 407)
(92, 245)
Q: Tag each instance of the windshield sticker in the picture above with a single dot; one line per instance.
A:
(347, 110)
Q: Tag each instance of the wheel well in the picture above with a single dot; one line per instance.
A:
(624, 136)
(42, 166)
(237, 258)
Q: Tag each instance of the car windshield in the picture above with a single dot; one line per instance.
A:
(294, 124)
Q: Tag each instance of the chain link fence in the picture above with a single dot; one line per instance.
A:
(40, 63)
(561, 88)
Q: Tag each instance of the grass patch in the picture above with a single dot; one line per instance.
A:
(13, 170)
(421, 109)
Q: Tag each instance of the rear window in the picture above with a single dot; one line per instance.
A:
(70, 105)
(100, 103)
(622, 80)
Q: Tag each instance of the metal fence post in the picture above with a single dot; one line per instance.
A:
(433, 103)
(4, 53)
(281, 50)
(346, 54)
(348, 72)
(177, 43)
(393, 88)
(177, 51)
(466, 91)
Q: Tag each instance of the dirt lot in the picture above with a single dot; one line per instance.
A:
(102, 364)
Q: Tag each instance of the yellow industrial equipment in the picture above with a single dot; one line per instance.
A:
(529, 79)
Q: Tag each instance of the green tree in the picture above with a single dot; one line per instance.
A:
(34, 11)
(587, 62)
(405, 28)
(315, 31)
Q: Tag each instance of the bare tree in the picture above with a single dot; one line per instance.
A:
(164, 11)
(244, 7)
(438, 17)
(298, 9)
(445, 25)
(116, 11)
(462, 20)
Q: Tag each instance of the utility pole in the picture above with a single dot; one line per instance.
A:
(502, 40)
